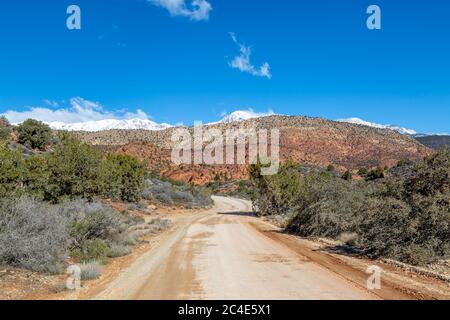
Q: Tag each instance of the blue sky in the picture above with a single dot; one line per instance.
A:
(134, 55)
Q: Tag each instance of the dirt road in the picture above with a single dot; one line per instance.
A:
(219, 255)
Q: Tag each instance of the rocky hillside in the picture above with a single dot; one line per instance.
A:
(312, 141)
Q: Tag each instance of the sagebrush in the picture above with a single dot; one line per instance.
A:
(404, 217)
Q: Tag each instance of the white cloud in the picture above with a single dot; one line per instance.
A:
(197, 10)
(51, 103)
(242, 61)
(80, 110)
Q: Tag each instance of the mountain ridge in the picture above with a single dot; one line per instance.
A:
(313, 141)
(399, 129)
(236, 116)
(110, 124)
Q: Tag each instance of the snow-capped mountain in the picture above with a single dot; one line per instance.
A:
(110, 124)
(380, 126)
(144, 124)
(242, 115)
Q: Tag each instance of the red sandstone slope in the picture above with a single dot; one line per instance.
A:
(305, 140)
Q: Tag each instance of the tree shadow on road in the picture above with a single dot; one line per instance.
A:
(340, 249)
(238, 213)
(345, 250)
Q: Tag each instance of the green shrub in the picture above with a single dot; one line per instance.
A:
(416, 233)
(362, 172)
(5, 133)
(117, 250)
(375, 174)
(11, 170)
(34, 134)
(432, 175)
(333, 209)
(100, 224)
(392, 187)
(276, 194)
(127, 240)
(5, 129)
(90, 250)
(4, 122)
(202, 197)
(123, 177)
(36, 176)
(73, 171)
(164, 191)
(347, 175)
(403, 217)
(404, 162)
(243, 190)
(386, 227)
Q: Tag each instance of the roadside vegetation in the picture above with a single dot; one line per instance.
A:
(170, 192)
(5, 129)
(71, 170)
(54, 201)
(402, 213)
(241, 189)
(41, 236)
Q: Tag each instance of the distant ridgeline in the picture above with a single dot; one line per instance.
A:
(435, 142)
